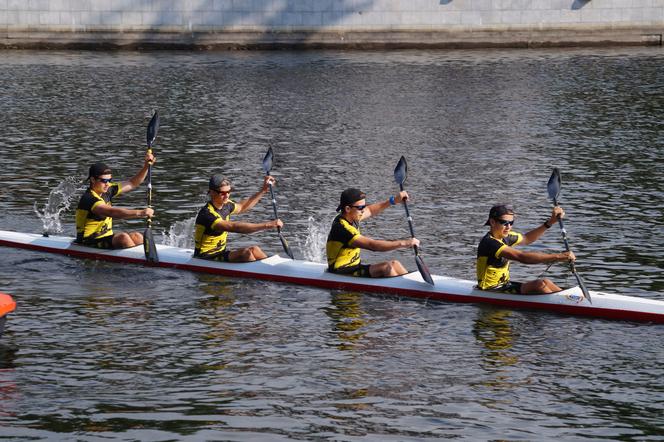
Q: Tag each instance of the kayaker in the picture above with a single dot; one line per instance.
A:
(345, 241)
(213, 223)
(95, 211)
(497, 249)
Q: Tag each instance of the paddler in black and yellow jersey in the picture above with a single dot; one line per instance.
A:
(213, 223)
(345, 241)
(497, 249)
(95, 211)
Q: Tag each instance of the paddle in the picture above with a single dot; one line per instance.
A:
(149, 245)
(553, 186)
(267, 166)
(400, 173)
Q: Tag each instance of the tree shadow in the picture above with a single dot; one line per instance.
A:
(275, 27)
(578, 4)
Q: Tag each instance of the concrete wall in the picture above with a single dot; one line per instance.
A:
(329, 22)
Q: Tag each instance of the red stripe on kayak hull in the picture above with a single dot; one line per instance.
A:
(604, 313)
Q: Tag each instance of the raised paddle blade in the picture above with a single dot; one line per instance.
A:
(153, 128)
(553, 186)
(401, 171)
(267, 161)
(150, 247)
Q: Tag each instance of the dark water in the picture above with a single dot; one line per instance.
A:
(103, 351)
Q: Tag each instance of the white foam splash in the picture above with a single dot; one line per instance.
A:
(59, 200)
(314, 244)
(181, 234)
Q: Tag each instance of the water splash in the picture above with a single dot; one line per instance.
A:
(181, 234)
(59, 200)
(314, 245)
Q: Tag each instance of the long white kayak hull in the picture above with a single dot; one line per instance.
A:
(277, 268)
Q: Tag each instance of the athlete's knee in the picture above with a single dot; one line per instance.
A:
(136, 237)
(551, 286)
(395, 268)
(123, 240)
(544, 285)
(257, 253)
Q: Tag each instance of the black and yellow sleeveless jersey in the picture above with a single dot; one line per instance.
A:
(492, 270)
(207, 240)
(91, 227)
(341, 255)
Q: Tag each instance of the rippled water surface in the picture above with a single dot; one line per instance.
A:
(106, 351)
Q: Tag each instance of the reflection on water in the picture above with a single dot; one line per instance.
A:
(110, 351)
(493, 329)
(348, 318)
(217, 310)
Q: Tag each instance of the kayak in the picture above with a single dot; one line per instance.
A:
(276, 268)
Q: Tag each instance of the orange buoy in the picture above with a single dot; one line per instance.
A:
(7, 304)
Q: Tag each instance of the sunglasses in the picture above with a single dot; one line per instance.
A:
(104, 180)
(360, 208)
(222, 192)
(505, 222)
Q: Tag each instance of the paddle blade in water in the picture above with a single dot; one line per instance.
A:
(553, 186)
(424, 270)
(267, 161)
(401, 171)
(153, 127)
(150, 247)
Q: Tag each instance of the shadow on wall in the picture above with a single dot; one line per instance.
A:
(232, 14)
(578, 4)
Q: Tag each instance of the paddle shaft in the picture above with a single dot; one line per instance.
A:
(410, 222)
(149, 187)
(274, 207)
(572, 267)
(563, 233)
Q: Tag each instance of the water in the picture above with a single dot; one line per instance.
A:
(105, 351)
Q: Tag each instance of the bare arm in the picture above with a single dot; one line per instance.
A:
(381, 245)
(137, 180)
(242, 227)
(247, 204)
(535, 257)
(538, 231)
(376, 208)
(121, 213)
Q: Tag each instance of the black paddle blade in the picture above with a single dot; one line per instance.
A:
(424, 270)
(153, 127)
(553, 186)
(150, 247)
(401, 171)
(582, 285)
(584, 290)
(267, 161)
(286, 247)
